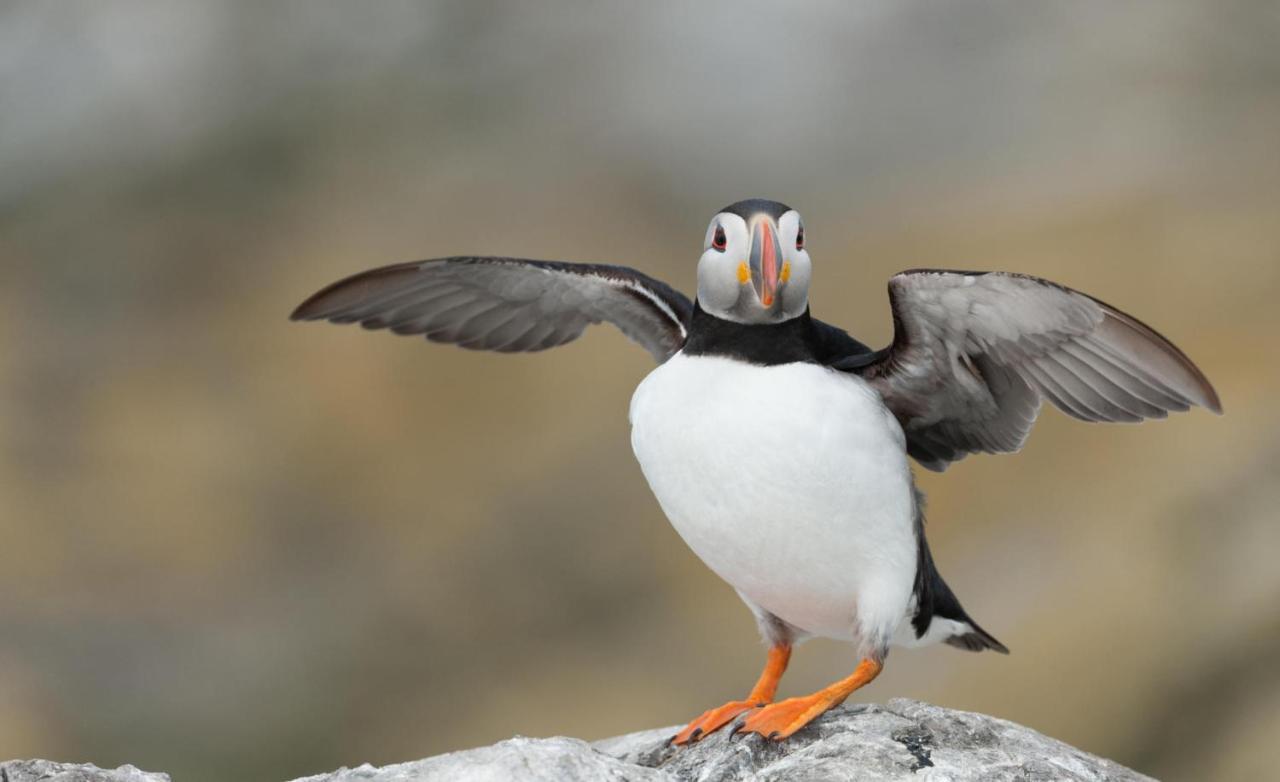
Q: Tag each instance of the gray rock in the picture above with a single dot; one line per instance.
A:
(903, 740)
(48, 771)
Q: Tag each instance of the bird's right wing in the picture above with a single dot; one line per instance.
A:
(507, 304)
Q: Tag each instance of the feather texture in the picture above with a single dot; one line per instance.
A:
(974, 353)
(507, 304)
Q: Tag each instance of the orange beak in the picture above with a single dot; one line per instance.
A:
(764, 262)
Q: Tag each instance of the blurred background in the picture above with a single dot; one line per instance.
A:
(234, 547)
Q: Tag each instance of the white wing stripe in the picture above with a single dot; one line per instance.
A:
(662, 305)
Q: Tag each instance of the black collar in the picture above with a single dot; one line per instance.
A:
(767, 344)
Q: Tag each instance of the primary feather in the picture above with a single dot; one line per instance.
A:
(974, 353)
(506, 304)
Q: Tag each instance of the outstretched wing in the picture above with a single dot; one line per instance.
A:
(506, 304)
(974, 353)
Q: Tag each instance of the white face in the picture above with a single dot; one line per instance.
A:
(754, 270)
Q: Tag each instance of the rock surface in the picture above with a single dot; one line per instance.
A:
(902, 740)
(48, 771)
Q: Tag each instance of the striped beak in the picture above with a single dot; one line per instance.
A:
(765, 265)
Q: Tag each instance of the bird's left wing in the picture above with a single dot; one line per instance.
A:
(973, 354)
(506, 304)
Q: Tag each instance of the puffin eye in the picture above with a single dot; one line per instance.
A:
(800, 238)
(718, 241)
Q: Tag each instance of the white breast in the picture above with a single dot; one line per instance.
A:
(791, 482)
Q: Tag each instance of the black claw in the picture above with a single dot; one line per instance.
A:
(697, 733)
(773, 735)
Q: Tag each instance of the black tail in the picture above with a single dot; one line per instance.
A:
(935, 598)
(976, 640)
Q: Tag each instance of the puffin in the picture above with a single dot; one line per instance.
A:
(780, 447)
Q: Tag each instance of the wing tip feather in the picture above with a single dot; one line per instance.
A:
(1198, 390)
(329, 302)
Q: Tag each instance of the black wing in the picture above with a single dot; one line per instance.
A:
(974, 353)
(506, 304)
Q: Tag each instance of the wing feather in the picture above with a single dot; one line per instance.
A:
(974, 353)
(506, 304)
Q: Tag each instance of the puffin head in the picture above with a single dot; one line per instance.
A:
(754, 267)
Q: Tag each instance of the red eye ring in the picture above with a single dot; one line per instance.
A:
(800, 238)
(718, 240)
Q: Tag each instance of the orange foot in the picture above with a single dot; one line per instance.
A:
(712, 720)
(715, 719)
(781, 719)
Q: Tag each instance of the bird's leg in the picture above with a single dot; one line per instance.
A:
(714, 719)
(780, 720)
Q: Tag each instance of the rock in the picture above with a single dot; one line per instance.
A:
(514, 760)
(903, 740)
(48, 771)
